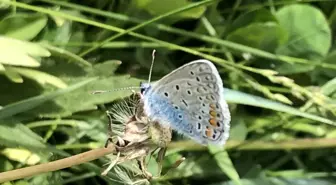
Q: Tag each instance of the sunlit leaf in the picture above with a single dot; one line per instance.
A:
(13, 75)
(21, 155)
(40, 77)
(20, 53)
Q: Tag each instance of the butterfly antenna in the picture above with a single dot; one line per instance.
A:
(151, 67)
(119, 89)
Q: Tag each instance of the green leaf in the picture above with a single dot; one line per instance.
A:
(13, 75)
(27, 104)
(16, 134)
(20, 53)
(327, 73)
(248, 99)
(238, 130)
(82, 99)
(329, 88)
(265, 36)
(195, 167)
(256, 16)
(225, 163)
(2, 68)
(38, 76)
(160, 7)
(280, 181)
(309, 35)
(23, 26)
(5, 164)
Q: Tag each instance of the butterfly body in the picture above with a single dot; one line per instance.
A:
(190, 100)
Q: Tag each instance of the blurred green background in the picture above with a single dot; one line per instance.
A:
(276, 58)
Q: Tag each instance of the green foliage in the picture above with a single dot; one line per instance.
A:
(309, 35)
(276, 59)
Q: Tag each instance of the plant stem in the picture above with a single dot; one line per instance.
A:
(55, 165)
(297, 144)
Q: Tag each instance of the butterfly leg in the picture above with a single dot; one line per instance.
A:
(159, 159)
(110, 133)
(142, 166)
(112, 164)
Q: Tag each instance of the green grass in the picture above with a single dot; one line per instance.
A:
(276, 59)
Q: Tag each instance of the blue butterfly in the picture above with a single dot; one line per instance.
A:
(190, 100)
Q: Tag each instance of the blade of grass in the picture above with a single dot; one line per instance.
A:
(66, 54)
(171, 45)
(225, 163)
(248, 99)
(167, 44)
(258, 145)
(213, 40)
(145, 23)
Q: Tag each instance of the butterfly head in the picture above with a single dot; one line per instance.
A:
(144, 87)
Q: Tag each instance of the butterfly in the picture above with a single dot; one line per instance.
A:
(190, 100)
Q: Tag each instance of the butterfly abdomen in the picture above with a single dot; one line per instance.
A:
(159, 109)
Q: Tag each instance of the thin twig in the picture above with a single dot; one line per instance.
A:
(55, 165)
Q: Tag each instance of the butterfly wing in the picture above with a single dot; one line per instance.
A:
(190, 99)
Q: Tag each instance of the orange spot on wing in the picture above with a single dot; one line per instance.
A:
(208, 132)
(212, 113)
(212, 105)
(212, 122)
